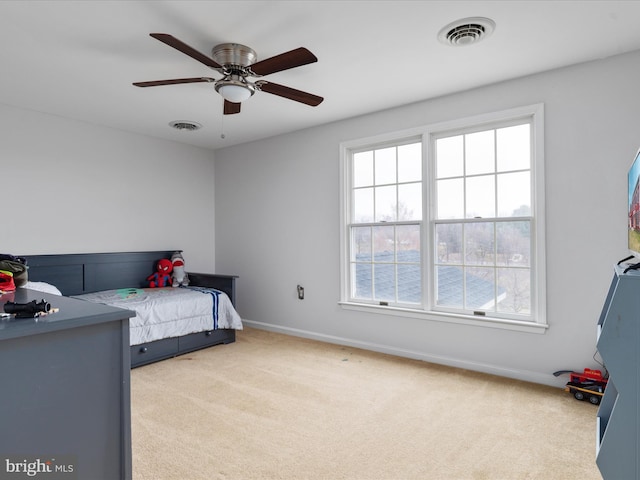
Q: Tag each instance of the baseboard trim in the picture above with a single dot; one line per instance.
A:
(523, 375)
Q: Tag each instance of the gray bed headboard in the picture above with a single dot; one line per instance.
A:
(75, 274)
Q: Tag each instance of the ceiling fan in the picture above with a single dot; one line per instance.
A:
(236, 63)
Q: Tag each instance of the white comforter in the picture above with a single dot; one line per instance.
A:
(170, 312)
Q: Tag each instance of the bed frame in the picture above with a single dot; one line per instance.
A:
(75, 274)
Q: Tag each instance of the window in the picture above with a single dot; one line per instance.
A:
(446, 222)
(385, 233)
(482, 224)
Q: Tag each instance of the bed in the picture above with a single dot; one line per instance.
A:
(119, 279)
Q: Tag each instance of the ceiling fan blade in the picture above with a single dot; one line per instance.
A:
(175, 81)
(186, 49)
(284, 61)
(230, 108)
(290, 93)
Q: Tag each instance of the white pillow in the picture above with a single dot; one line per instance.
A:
(43, 287)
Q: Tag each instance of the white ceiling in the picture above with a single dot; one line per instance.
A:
(77, 59)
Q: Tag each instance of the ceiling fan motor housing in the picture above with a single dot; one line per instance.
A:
(228, 54)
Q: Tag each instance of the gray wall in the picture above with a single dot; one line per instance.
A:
(277, 223)
(72, 187)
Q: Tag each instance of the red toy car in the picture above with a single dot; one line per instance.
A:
(588, 385)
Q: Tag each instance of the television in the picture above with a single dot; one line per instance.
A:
(634, 208)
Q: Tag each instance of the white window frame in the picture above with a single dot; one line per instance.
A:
(538, 322)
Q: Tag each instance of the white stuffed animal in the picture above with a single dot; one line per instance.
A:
(179, 276)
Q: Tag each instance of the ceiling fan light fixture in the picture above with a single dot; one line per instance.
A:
(233, 92)
(234, 88)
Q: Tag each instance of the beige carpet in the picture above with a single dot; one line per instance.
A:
(272, 406)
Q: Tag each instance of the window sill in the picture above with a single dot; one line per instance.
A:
(488, 322)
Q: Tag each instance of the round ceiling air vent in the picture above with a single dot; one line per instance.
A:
(466, 31)
(185, 125)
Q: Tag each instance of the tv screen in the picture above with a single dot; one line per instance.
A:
(634, 207)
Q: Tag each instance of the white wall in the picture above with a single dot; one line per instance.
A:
(277, 223)
(72, 187)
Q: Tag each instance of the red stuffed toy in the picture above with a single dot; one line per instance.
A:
(162, 278)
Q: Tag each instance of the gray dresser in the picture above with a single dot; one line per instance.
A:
(66, 390)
